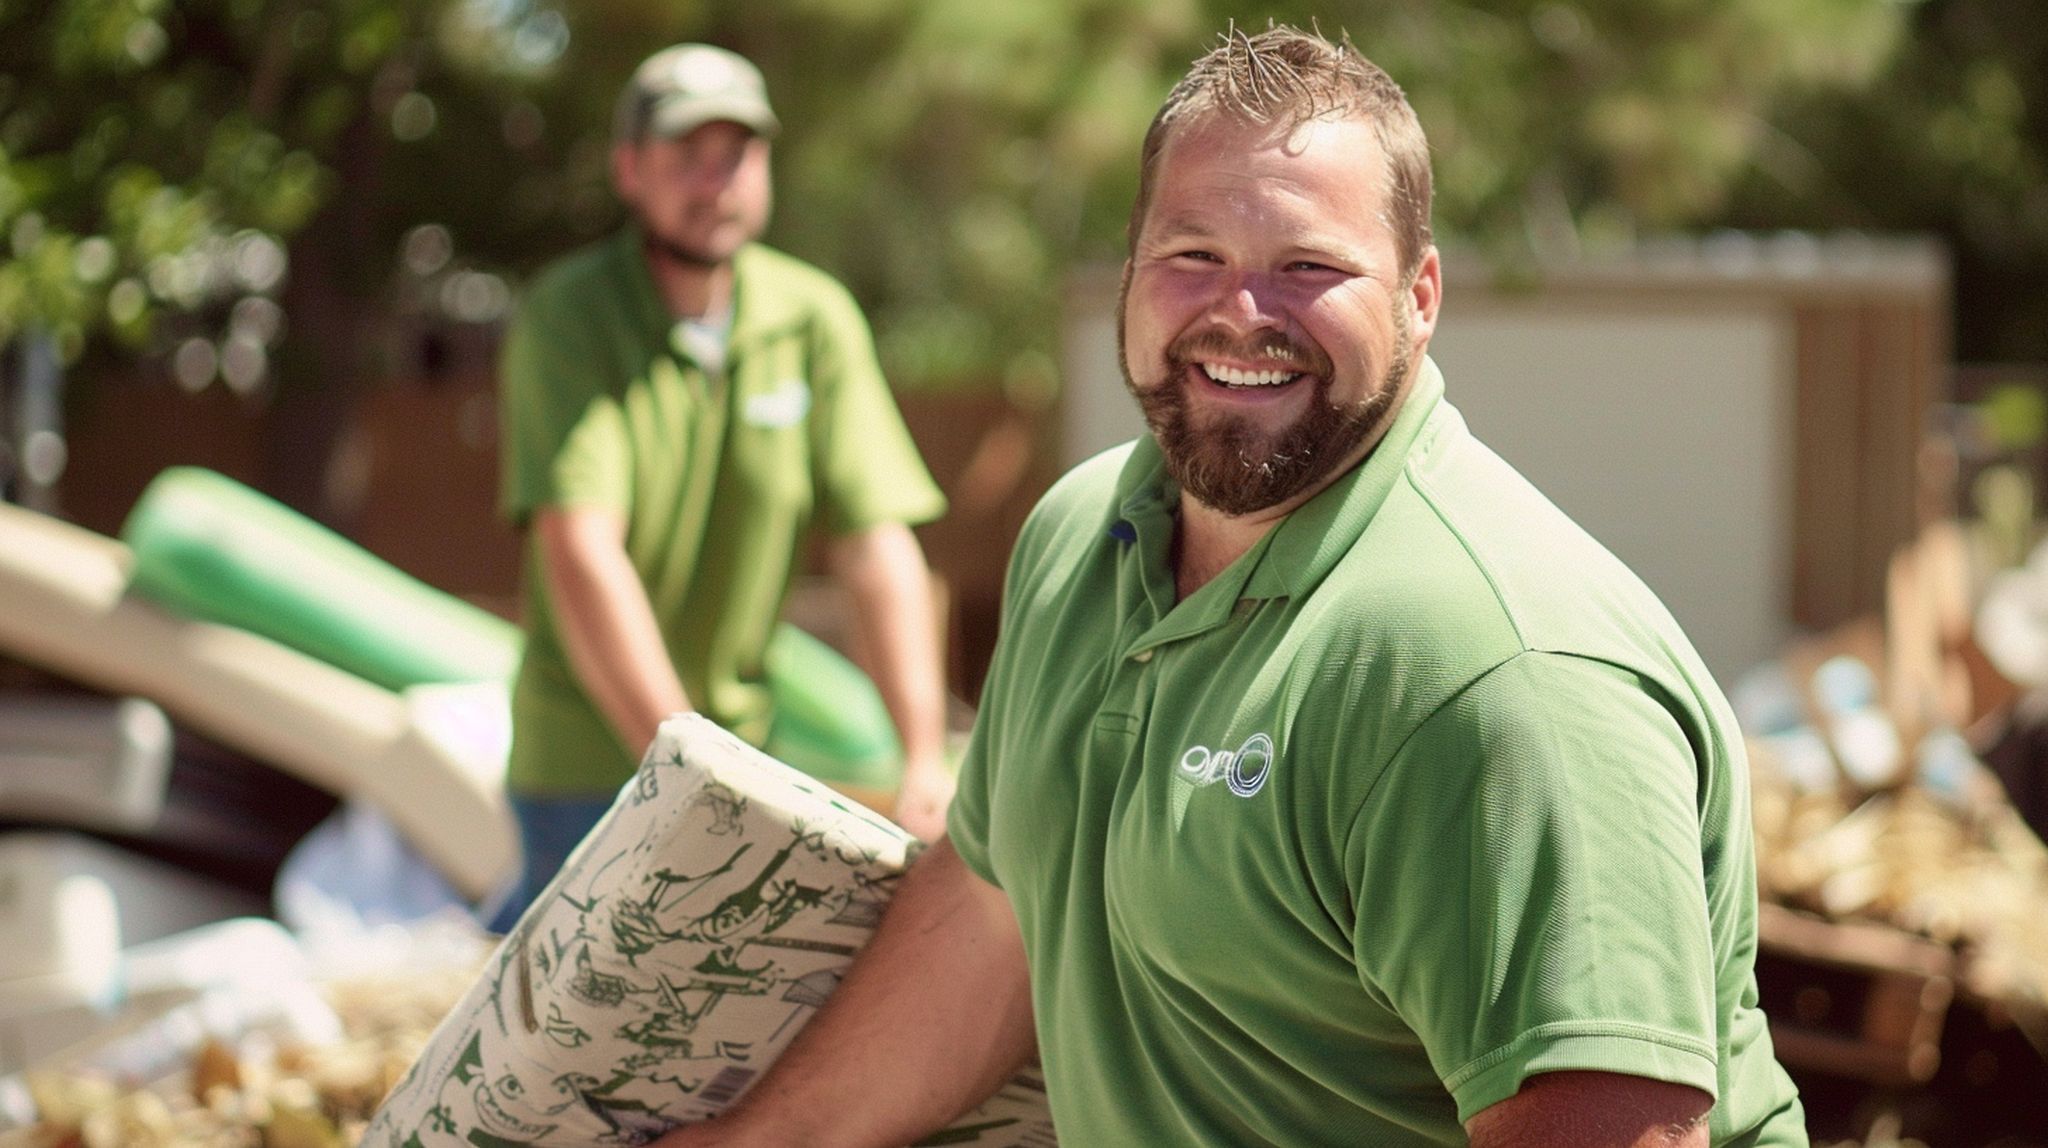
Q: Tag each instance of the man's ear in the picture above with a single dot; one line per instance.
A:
(1425, 295)
(626, 171)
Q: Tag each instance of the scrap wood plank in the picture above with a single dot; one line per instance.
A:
(1894, 1033)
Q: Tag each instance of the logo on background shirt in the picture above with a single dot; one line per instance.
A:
(1243, 769)
(785, 406)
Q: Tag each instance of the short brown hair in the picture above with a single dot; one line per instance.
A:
(1287, 77)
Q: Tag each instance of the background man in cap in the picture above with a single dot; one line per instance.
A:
(681, 406)
(1329, 786)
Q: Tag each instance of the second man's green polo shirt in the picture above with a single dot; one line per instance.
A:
(719, 475)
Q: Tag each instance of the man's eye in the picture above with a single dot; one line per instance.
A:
(1309, 265)
(1197, 256)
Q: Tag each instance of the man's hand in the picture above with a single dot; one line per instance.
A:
(926, 792)
(1594, 1110)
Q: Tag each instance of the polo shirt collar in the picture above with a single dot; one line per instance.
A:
(759, 309)
(762, 304)
(1307, 544)
(1294, 556)
(649, 309)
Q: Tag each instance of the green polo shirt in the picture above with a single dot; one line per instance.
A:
(1423, 795)
(719, 475)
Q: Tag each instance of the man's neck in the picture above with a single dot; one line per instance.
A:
(1206, 541)
(691, 290)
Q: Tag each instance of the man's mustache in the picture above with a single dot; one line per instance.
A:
(1213, 343)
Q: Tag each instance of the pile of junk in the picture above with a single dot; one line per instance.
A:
(252, 809)
(1899, 769)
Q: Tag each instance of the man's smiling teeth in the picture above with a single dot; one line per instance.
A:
(1232, 377)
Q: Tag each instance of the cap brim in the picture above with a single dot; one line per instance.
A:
(683, 114)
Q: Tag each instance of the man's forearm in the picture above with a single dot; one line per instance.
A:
(934, 1015)
(1594, 1110)
(883, 568)
(606, 625)
(884, 571)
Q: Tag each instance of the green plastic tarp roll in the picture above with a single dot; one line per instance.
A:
(830, 721)
(209, 548)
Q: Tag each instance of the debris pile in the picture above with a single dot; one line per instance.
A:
(256, 1090)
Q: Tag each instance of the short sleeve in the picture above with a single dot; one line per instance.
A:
(868, 470)
(562, 436)
(1529, 884)
(967, 816)
(967, 819)
(591, 469)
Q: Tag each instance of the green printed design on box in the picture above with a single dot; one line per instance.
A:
(680, 949)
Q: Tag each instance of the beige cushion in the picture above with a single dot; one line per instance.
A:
(63, 606)
(678, 952)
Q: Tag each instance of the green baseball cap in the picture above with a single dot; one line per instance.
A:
(681, 88)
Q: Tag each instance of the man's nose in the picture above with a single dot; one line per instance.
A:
(712, 180)
(1246, 302)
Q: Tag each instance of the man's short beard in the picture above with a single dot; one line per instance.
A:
(674, 252)
(665, 248)
(1234, 468)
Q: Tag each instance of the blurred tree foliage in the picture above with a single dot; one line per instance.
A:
(1952, 138)
(191, 180)
(971, 152)
(155, 156)
(949, 158)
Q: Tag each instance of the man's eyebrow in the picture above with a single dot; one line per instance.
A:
(1323, 245)
(1181, 224)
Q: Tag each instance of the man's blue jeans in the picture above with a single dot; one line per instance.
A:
(550, 828)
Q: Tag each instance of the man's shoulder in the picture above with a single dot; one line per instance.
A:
(1469, 567)
(1421, 577)
(595, 265)
(1562, 588)
(1074, 512)
(1466, 566)
(761, 259)
(1406, 619)
(1088, 491)
(779, 292)
(788, 280)
(1094, 481)
(585, 296)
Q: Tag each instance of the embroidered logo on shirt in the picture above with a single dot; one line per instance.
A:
(785, 406)
(1243, 769)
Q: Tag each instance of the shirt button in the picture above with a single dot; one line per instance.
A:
(1142, 656)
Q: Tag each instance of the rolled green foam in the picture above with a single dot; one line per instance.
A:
(210, 548)
(830, 721)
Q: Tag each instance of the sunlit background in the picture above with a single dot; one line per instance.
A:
(1757, 289)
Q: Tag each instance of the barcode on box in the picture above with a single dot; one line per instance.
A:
(726, 1085)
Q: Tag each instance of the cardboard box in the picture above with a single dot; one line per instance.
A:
(681, 948)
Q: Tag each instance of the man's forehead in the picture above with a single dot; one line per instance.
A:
(1284, 131)
(1222, 174)
(1226, 148)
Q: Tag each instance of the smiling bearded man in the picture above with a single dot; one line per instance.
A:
(1231, 464)
(1330, 786)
